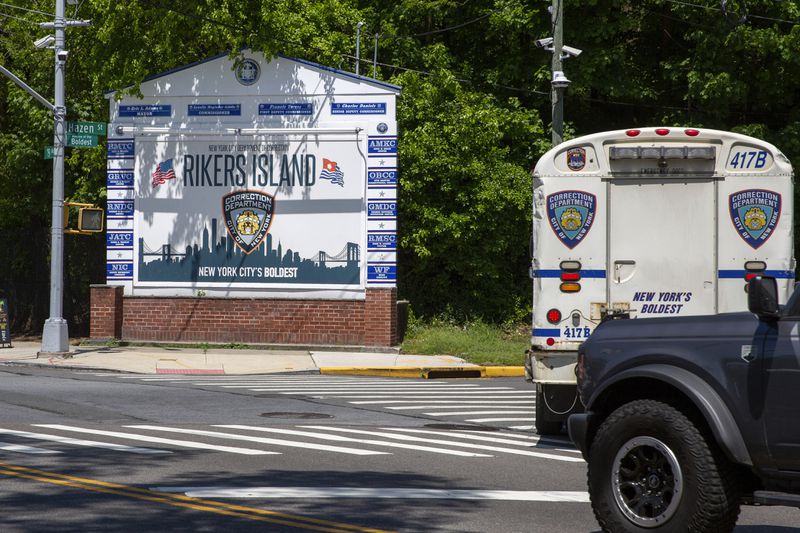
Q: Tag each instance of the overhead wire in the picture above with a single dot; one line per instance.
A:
(710, 8)
(18, 18)
(12, 6)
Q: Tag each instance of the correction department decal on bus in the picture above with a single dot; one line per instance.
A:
(755, 213)
(571, 214)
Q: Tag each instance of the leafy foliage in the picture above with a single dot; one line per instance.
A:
(473, 114)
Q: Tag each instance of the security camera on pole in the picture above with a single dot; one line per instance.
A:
(555, 44)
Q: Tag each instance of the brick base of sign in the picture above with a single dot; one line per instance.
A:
(368, 322)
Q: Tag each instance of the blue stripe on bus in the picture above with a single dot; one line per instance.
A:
(545, 332)
(739, 274)
(557, 273)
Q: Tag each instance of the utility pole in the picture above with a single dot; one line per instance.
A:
(556, 92)
(55, 337)
(358, 44)
(375, 57)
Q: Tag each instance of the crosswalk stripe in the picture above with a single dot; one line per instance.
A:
(145, 438)
(279, 442)
(453, 405)
(485, 438)
(471, 445)
(351, 388)
(389, 394)
(482, 412)
(452, 402)
(326, 436)
(21, 448)
(82, 442)
(404, 493)
(481, 420)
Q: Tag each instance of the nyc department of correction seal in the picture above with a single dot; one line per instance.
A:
(571, 214)
(247, 72)
(755, 213)
(248, 215)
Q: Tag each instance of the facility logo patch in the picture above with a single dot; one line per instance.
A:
(248, 215)
(576, 159)
(571, 214)
(755, 213)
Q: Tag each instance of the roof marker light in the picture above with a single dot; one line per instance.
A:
(632, 133)
(691, 132)
(662, 131)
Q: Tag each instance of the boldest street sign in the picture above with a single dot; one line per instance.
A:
(86, 128)
(77, 140)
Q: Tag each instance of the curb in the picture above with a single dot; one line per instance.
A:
(427, 372)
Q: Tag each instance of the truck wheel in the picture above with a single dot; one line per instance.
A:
(542, 425)
(651, 469)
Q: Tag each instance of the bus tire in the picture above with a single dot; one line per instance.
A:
(542, 423)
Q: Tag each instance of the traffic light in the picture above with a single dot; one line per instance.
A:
(90, 219)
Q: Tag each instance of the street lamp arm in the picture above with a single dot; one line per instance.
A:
(42, 100)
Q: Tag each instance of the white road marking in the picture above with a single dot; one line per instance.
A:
(404, 493)
(325, 436)
(528, 419)
(145, 438)
(454, 402)
(376, 388)
(470, 413)
(471, 445)
(485, 437)
(81, 442)
(21, 448)
(417, 394)
(262, 440)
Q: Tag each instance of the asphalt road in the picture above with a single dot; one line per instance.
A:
(84, 451)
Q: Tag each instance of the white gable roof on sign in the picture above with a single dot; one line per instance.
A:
(279, 76)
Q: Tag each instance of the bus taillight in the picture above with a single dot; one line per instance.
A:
(570, 276)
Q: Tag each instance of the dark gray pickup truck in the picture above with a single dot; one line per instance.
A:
(687, 418)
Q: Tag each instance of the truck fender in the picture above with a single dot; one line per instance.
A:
(701, 394)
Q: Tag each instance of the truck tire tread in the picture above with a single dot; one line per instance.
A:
(710, 499)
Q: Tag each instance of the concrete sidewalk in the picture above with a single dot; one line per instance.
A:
(194, 360)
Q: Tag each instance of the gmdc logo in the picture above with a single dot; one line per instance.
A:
(248, 215)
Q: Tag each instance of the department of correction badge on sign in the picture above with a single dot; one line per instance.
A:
(571, 214)
(248, 215)
(755, 213)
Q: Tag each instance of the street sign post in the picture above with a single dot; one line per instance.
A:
(80, 140)
(87, 128)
